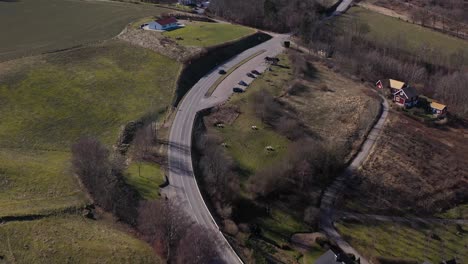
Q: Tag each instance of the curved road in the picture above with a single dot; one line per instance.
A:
(181, 176)
(330, 195)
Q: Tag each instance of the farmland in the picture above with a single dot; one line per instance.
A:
(410, 38)
(70, 239)
(31, 27)
(61, 97)
(50, 101)
(205, 34)
(387, 241)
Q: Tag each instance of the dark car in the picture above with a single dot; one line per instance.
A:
(243, 83)
(222, 72)
(255, 72)
(237, 90)
(250, 75)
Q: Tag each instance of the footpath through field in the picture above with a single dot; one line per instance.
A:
(331, 194)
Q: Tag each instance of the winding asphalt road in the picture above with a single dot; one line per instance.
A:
(181, 176)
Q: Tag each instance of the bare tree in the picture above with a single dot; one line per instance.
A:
(163, 224)
(102, 177)
(199, 246)
(145, 137)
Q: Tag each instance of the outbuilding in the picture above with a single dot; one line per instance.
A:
(438, 109)
(396, 86)
(164, 24)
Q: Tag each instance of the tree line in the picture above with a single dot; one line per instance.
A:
(442, 78)
(164, 224)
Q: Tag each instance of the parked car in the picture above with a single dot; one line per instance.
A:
(243, 83)
(256, 72)
(222, 72)
(250, 75)
(237, 90)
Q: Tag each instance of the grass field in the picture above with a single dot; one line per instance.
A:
(397, 241)
(35, 26)
(70, 239)
(49, 103)
(247, 146)
(205, 34)
(412, 37)
(146, 179)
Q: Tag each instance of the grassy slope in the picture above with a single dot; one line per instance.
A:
(384, 28)
(247, 147)
(28, 23)
(89, 91)
(401, 241)
(70, 239)
(204, 34)
(146, 179)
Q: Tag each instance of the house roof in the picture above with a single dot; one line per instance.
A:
(410, 92)
(396, 84)
(166, 21)
(330, 257)
(438, 106)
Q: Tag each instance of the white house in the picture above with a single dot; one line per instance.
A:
(164, 24)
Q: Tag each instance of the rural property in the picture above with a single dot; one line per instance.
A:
(247, 131)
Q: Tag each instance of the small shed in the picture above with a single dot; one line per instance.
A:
(438, 109)
(406, 97)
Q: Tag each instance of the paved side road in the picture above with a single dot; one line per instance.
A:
(181, 175)
(330, 195)
(342, 7)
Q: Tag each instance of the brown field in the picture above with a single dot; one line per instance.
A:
(414, 169)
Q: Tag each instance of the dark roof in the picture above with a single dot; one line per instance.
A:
(166, 21)
(410, 91)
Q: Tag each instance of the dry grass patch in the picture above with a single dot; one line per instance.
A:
(413, 169)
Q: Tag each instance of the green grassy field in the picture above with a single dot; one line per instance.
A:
(35, 26)
(70, 239)
(205, 34)
(146, 179)
(397, 241)
(36, 182)
(247, 146)
(385, 29)
(48, 104)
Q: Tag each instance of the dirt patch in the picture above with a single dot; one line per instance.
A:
(157, 42)
(222, 115)
(309, 240)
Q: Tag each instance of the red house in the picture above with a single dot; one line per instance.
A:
(406, 97)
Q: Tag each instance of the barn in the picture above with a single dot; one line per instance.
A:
(406, 97)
